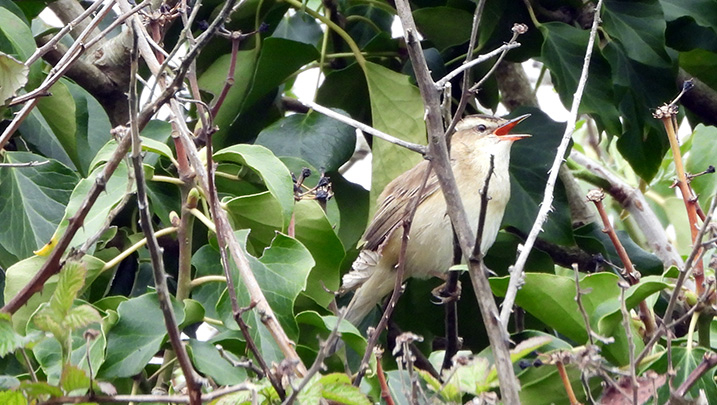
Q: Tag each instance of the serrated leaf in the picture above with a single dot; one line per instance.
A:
(9, 339)
(13, 76)
(69, 283)
(73, 379)
(47, 352)
(81, 316)
(275, 175)
(397, 109)
(323, 142)
(136, 337)
(40, 388)
(12, 398)
(338, 388)
(32, 202)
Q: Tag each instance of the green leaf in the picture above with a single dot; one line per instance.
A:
(209, 362)
(71, 280)
(639, 26)
(314, 231)
(551, 299)
(9, 339)
(531, 160)
(397, 109)
(12, 398)
(81, 316)
(346, 89)
(275, 175)
(563, 53)
(92, 126)
(431, 21)
(684, 361)
(136, 337)
(15, 36)
(13, 76)
(323, 142)
(592, 239)
(279, 59)
(337, 387)
(701, 156)
(116, 187)
(643, 141)
(59, 113)
(73, 379)
(213, 79)
(32, 201)
(40, 388)
(281, 273)
(299, 27)
(327, 323)
(366, 22)
(47, 352)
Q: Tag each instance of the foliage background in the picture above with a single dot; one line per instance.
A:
(645, 50)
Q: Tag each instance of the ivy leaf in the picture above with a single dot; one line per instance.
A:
(136, 336)
(281, 273)
(9, 339)
(272, 171)
(13, 76)
(321, 141)
(32, 202)
(73, 379)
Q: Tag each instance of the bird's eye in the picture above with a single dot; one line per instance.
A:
(481, 128)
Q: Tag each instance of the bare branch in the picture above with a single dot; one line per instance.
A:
(516, 270)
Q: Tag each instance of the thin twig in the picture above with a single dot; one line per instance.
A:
(626, 321)
(363, 127)
(179, 399)
(155, 251)
(72, 54)
(397, 289)
(34, 163)
(480, 59)
(516, 276)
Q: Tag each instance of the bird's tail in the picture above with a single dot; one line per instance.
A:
(378, 285)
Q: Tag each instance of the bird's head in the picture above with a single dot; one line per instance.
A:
(492, 129)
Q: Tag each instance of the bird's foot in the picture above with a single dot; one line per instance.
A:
(443, 294)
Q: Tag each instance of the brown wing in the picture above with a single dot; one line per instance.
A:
(393, 202)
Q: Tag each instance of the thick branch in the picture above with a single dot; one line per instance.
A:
(634, 202)
(438, 154)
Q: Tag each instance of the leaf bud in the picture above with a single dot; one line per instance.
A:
(192, 198)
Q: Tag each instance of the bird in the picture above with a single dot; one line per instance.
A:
(430, 245)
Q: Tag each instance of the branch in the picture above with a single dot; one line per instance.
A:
(438, 154)
(155, 251)
(516, 270)
(222, 220)
(632, 199)
(363, 127)
(179, 399)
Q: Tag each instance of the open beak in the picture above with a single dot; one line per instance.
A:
(503, 130)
